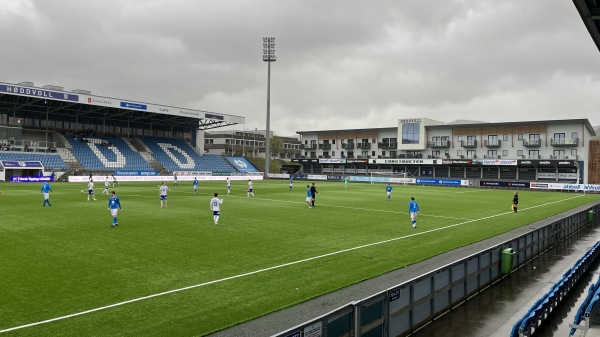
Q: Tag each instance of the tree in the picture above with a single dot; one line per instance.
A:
(276, 146)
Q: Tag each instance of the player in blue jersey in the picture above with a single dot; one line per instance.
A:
(215, 207)
(114, 205)
(46, 189)
(195, 183)
(388, 190)
(291, 182)
(308, 196)
(163, 194)
(413, 210)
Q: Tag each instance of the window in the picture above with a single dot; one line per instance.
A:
(459, 153)
(325, 154)
(393, 154)
(559, 152)
(504, 153)
(520, 136)
(534, 154)
(471, 154)
(574, 152)
(492, 153)
(373, 140)
(342, 154)
(559, 138)
(411, 133)
(350, 154)
(493, 138)
(519, 152)
(505, 138)
(333, 142)
(333, 153)
(313, 155)
(364, 154)
(534, 136)
(435, 154)
(373, 153)
(459, 138)
(574, 135)
(306, 142)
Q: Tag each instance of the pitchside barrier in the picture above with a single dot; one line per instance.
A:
(405, 308)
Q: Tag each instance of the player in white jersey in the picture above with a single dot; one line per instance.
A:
(91, 190)
(105, 191)
(250, 188)
(215, 207)
(228, 186)
(163, 194)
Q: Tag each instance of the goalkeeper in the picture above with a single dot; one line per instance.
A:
(413, 210)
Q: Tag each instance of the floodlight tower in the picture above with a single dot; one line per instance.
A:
(268, 56)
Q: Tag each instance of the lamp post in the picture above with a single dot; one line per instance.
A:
(268, 56)
(254, 150)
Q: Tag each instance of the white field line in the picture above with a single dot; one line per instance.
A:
(264, 270)
(358, 208)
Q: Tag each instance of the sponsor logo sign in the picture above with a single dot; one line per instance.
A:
(498, 162)
(457, 161)
(135, 173)
(34, 179)
(21, 164)
(403, 161)
(438, 181)
(332, 160)
(213, 116)
(130, 105)
(36, 92)
(491, 183)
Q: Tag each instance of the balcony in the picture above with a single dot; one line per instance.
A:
(349, 146)
(492, 143)
(387, 145)
(439, 145)
(564, 142)
(324, 146)
(309, 146)
(364, 146)
(413, 155)
(532, 142)
(534, 157)
(468, 143)
(485, 156)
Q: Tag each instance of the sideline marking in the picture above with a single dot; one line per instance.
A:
(266, 269)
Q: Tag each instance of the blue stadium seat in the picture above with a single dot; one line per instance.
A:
(118, 156)
(178, 155)
(51, 161)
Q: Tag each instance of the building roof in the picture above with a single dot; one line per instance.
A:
(589, 10)
(466, 123)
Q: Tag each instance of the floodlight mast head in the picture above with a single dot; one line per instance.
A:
(268, 56)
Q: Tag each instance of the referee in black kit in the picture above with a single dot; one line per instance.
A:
(313, 194)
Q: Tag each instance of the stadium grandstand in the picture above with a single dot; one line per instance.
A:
(75, 132)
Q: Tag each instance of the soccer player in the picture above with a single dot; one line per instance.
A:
(413, 210)
(291, 182)
(195, 183)
(515, 202)
(308, 196)
(228, 186)
(345, 182)
(175, 183)
(115, 182)
(105, 186)
(91, 190)
(215, 207)
(313, 194)
(46, 189)
(163, 194)
(114, 204)
(388, 189)
(250, 188)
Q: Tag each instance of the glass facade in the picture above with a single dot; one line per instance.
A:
(411, 133)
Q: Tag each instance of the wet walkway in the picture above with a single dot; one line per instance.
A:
(494, 311)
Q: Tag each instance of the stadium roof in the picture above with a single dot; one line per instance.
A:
(26, 101)
(589, 10)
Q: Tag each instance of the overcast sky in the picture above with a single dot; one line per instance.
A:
(340, 64)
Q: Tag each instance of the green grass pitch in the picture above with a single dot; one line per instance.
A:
(171, 272)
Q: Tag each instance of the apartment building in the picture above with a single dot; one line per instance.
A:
(552, 149)
(248, 143)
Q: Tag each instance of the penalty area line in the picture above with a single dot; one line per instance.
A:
(81, 313)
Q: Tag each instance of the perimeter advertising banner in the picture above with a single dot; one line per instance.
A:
(567, 187)
(451, 182)
(120, 179)
(34, 179)
(491, 183)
